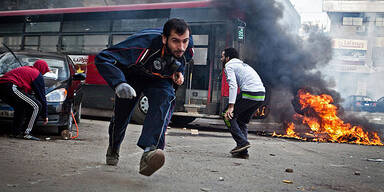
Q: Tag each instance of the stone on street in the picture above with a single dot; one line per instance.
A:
(193, 163)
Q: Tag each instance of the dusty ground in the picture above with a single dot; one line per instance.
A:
(193, 163)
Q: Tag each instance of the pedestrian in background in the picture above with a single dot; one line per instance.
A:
(150, 62)
(241, 106)
(16, 87)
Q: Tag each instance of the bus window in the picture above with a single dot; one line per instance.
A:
(11, 27)
(134, 25)
(118, 38)
(86, 26)
(13, 42)
(200, 39)
(49, 43)
(84, 43)
(200, 57)
(31, 42)
(42, 43)
(42, 27)
(95, 43)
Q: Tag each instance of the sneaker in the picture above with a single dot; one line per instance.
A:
(28, 137)
(240, 148)
(112, 156)
(151, 161)
(240, 155)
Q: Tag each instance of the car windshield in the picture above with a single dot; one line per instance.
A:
(365, 99)
(57, 65)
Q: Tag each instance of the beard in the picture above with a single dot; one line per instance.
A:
(173, 53)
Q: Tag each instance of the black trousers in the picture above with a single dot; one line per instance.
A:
(26, 108)
(242, 114)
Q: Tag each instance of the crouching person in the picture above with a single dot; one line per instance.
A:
(151, 62)
(241, 107)
(15, 89)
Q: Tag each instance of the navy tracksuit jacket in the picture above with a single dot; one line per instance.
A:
(118, 64)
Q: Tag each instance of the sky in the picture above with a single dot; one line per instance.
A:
(311, 11)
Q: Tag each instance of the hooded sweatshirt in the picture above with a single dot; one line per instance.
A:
(30, 78)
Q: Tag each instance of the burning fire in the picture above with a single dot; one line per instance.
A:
(320, 115)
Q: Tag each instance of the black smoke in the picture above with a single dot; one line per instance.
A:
(285, 61)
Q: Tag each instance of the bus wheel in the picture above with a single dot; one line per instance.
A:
(140, 110)
(181, 120)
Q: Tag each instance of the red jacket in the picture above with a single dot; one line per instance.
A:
(23, 77)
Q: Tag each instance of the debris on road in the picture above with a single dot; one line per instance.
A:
(194, 131)
(357, 172)
(287, 181)
(66, 134)
(205, 189)
(289, 170)
(376, 160)
(236, 164)
(12, 185)
(271, 154)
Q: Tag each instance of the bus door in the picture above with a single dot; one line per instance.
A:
(202, 77)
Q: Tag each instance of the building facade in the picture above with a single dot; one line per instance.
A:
(357, 31)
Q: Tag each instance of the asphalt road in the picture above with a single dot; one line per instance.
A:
(193, 163)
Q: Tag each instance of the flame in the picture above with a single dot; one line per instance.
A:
(320, 116)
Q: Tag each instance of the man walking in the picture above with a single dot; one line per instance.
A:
(150, 62)
(242, 106)
(15, 89)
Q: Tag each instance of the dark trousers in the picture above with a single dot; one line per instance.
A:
(242, 114)
(26, 108)
(161, 97)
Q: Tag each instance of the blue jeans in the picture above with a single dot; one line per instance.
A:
(160, 95)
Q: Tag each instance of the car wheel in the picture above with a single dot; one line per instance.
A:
(181, 120)
(78, 114)
(140, 110)
(69, 124)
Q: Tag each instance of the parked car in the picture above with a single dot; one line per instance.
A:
(62, 84)
(380, 105)
(359, 103)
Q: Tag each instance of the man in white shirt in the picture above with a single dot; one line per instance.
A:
(241, 106)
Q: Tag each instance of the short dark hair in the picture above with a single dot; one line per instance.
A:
(179, 25)
(231, 53)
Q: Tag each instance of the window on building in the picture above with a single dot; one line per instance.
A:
(356, 21)
(42, 27)
(379, 21)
